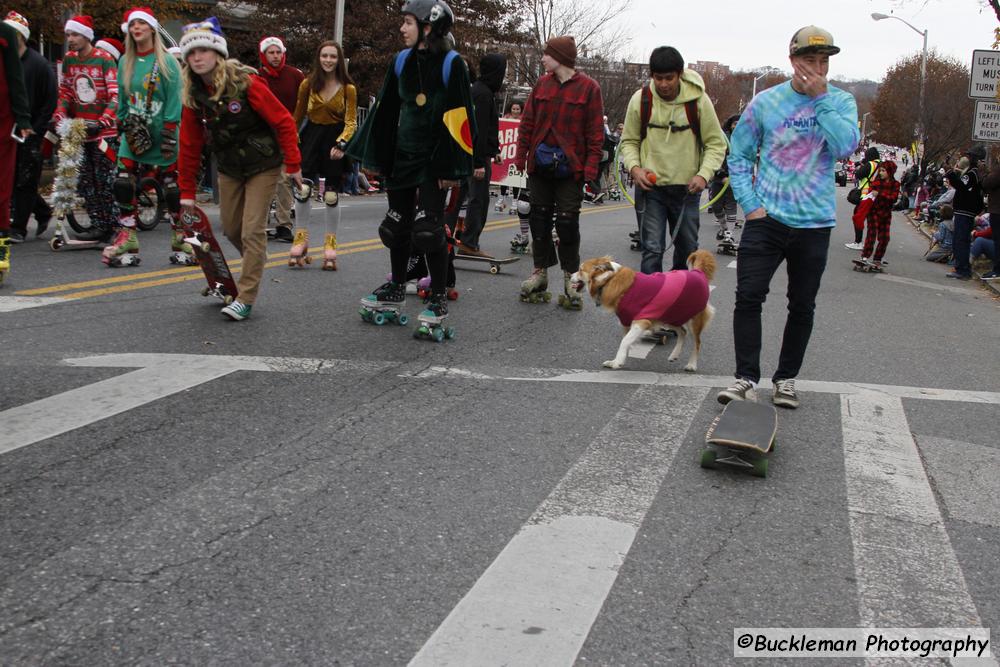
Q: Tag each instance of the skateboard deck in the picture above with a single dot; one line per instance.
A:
(743, 436)
(866, 268)
(726, 248)
(494, 262)
(198, 233)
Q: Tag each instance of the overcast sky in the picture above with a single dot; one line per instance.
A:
(747, 34)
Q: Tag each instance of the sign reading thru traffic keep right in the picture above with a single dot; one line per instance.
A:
(984, 75)
(986, 124)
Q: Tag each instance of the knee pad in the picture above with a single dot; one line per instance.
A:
(524, 208)
(124, 188)
(331, 198)
(540, 222)
(568, 227)
(392, 232)
(428, 233)
(172, 195)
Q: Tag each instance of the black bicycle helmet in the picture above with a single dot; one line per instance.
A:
(436, 13)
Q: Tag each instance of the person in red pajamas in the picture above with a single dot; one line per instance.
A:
(885, 189)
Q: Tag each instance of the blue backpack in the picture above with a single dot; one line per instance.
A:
(449, 58)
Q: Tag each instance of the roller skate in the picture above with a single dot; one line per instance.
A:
(519, 244)
(180, 250)
(330, 253)
(385, 305)
(430, 320)
(299, 256)
(570, 298)
(124, 250)
(533, 290)
(4, 257)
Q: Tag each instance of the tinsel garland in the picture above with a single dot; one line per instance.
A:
(72, 133)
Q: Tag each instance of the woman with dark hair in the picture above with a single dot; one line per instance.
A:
(329, 100)
(419, 138)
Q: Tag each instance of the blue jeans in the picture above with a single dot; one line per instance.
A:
(962, 242)
(764, 245)
(662, 205)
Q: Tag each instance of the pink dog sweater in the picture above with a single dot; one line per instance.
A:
(671, 298)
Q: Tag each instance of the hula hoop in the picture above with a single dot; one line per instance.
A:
(628, 197)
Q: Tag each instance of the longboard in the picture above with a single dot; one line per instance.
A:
(742, 436)
(198, 233)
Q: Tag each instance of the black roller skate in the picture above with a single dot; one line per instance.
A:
(534, 289)
(570, 298)
(385, 304)
(431, 320)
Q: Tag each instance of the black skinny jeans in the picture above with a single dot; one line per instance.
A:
(765, 243)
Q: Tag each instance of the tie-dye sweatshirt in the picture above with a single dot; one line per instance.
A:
(798, 138)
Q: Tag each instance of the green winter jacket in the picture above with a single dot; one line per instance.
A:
(674, 156)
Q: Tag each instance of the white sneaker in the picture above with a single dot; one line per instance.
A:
(740, 390)
(237, 310)
(854, 246)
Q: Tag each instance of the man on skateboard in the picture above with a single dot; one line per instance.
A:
(799, 129)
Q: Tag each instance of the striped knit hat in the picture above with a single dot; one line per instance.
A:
(205, 34)
(81, 25)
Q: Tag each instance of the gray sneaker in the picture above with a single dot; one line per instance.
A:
(784, 394)
(237, 310)
(740, 390)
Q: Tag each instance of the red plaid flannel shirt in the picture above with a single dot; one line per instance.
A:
(573, 112)
(888, 193)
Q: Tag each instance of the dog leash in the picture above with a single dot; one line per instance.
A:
(677, 227)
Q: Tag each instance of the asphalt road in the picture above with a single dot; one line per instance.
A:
(306, 488)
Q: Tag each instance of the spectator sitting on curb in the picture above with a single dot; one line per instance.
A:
(940, 250)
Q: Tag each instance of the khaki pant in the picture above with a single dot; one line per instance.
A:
(243, 208)
(283, 207)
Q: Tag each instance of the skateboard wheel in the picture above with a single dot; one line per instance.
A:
(494, 269)
(379, 319)
(205, 291)
(708, 457)
(759, 468)
(227, 299)
(403, 320)
(206, 246)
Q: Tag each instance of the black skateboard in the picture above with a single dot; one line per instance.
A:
(494, 262)
(742, 436)
(866, 267)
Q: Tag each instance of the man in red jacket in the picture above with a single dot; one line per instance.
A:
(283, 80)
(559, 144)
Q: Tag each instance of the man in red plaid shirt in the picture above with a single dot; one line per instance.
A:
(559, 145)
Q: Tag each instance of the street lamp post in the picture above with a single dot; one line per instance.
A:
(864, 125)
(923, 77)
(338, 23)
(769, 70)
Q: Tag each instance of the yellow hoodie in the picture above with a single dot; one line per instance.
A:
(674, 156)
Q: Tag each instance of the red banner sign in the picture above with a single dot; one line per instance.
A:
(504, 172)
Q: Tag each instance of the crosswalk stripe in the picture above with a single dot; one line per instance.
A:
(9, 304)
(537, 601)
(907, 572)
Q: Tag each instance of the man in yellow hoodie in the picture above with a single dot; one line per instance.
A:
(672, 145)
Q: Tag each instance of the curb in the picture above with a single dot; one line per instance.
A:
(992, 285)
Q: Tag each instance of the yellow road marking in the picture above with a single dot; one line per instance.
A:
(136, 281)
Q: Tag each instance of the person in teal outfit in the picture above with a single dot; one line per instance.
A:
(149, 81)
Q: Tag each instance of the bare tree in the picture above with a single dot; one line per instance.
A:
(948, 110)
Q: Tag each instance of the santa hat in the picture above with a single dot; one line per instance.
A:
(268, 42)
(82, 25)
(112, 46)
(205, 34)
(139, 14)
(19, 23)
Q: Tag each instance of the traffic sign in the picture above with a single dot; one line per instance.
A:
(984, 75)
(986, 124)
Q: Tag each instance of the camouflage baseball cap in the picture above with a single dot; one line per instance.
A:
(812, 39)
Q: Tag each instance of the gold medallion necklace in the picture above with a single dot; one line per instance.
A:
(421, 98)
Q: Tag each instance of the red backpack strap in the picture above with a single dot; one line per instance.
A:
(694, 120)
(645, 111)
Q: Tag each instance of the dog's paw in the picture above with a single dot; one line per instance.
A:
(611, 363)
(673, 357)
(691, 368)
